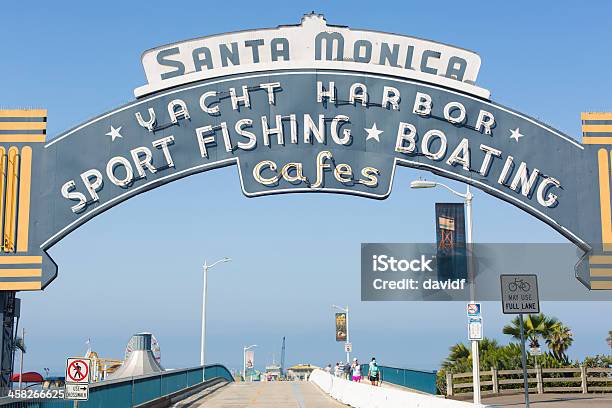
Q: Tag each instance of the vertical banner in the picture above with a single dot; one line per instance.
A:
(450, 240)
(340, 326)
(249, 356)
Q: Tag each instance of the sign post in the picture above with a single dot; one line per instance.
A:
(78, 374)
(524, 362)
(475, 332)
(519, 296)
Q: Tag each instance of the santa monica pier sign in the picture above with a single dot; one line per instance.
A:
(304, 108)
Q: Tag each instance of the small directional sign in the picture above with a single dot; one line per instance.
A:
(77, 392)
(520, 294)
(348, 347)
(535, 351)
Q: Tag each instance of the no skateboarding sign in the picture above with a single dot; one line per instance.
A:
(78, 373)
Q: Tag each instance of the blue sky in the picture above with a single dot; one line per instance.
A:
(293, 255)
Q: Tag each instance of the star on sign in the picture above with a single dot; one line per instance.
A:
(114, 133)
(515, 134)
(373, 133)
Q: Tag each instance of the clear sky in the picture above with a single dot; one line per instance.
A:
(132, 270)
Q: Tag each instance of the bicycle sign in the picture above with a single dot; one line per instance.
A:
(520, 294)
(519, 284)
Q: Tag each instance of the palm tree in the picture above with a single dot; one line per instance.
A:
(458, 352)
(491, 355)
(535, 326)
(559, 340)
(609, 339)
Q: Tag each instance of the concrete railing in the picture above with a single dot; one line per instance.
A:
(362, 395)
(540, 380)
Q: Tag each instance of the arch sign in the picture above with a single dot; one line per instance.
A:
(311, 107)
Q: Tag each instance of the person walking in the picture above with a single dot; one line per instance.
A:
(347, 371)
(374, 372)
(356, 370)
(337, 370)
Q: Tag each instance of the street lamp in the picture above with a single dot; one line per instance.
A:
(202, 339)
(467, 197)
(244, 350)
(348, 354)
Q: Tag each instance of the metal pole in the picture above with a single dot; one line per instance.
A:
(244, 364)
(204, 293)
(348, 339)
(14, 341)
(524, 361)
(475, 350)
(21, 360)
(202, 339)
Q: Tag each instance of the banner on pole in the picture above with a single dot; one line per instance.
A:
(340, 326)
(450, 239)
(249, 356)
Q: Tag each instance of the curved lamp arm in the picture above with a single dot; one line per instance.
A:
(225, 259)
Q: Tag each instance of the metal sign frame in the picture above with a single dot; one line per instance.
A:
(520, 284)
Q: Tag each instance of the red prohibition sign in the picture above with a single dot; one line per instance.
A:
(80, 369)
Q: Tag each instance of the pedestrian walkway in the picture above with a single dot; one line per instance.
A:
(282, 394)
(552, 401)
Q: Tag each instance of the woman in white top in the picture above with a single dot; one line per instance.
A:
(356, 371)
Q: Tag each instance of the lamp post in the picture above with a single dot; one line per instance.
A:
(348, 340)
(22, 349)
(244, 350)
(203, 337)
(467, 197)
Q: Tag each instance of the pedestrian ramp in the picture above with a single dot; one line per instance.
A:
(276, 394)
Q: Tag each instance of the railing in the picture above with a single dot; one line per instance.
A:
(131, 391)
(366, 396)
(420, 380)
(540, 380)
